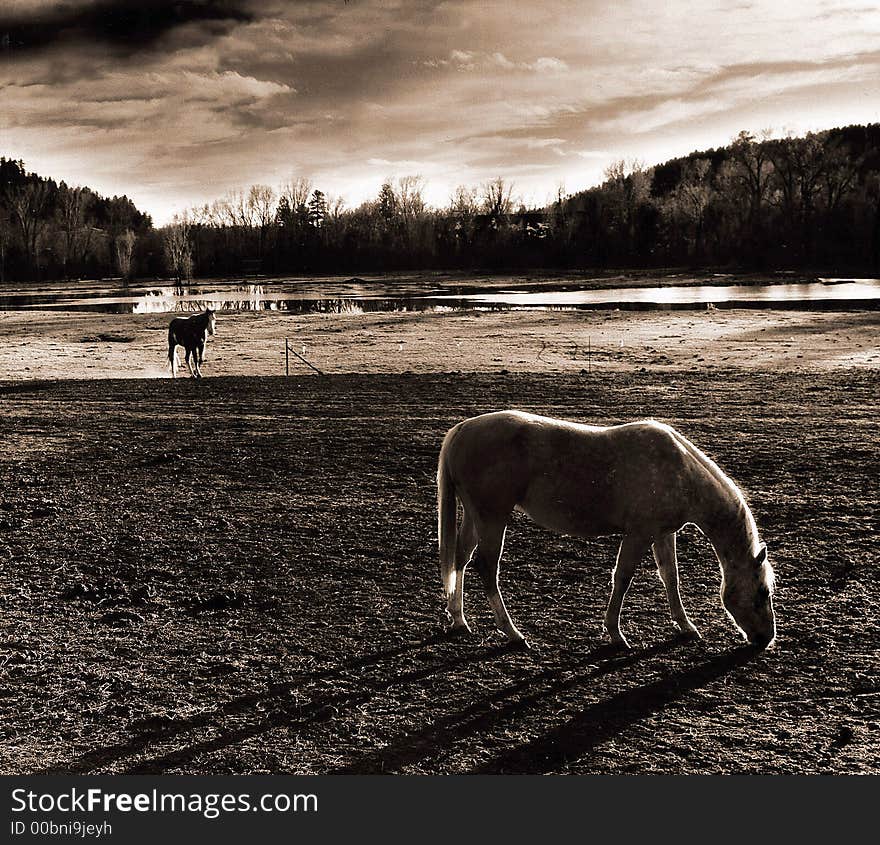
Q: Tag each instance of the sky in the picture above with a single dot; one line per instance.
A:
(178, 102)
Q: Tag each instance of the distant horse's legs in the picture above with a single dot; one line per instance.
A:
(486, 559)
(189, 352)
(632, 548)
(200, 356)
(464, 546)
(667, 567)
(172, 357)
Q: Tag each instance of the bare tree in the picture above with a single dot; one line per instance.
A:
(800, 169)
(631, 173)
(5, 237)
(239, 210)
(497, 202)
(753, 170)
(411, 206)
(124, 246)
(872, 194)
(558, 217)
(627, 186)
(409, 193)
(262, 201)
(692, 196)
(72, 206)
(28, 203)
(464, 205)
(334, 222)
(335, 207)
(464, 202)
(178, 252)
(840, 174)
(297, 192)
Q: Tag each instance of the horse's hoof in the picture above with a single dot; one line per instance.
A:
(621, 644)
(458, 631)
(517, 645)
(690, 634)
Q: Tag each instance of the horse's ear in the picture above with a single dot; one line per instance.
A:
(761, 556)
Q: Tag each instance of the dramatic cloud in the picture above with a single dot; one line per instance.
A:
(194, 98)
(124, 24)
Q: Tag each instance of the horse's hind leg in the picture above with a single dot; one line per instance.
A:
(464, 547)
(632, 549)
(486, 559)
(200, 356)
(667, 567)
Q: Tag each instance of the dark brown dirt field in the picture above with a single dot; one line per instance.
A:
(240, 575)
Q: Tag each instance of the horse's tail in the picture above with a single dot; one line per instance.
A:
(447, 518)
(172, 343)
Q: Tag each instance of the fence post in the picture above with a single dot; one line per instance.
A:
(286, 357)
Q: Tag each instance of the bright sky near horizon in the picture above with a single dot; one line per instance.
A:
(177, 102)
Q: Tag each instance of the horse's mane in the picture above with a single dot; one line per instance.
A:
(743, 515)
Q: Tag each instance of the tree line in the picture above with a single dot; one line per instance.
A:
(51, 230)
(758, 203)
(299, 229)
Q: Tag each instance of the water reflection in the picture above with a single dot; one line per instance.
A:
(682, 295)
(250, 298)
(354, 296)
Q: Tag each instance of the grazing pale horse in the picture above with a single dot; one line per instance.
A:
(192, 334)
(642, 480)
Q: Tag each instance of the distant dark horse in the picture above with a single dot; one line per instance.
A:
(192, 334)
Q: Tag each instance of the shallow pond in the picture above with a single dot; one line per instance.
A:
(359, 296)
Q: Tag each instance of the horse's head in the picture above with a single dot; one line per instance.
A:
(747, 595)
(212, 320)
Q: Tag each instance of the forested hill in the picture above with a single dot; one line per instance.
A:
(50, 230)
(759, 203)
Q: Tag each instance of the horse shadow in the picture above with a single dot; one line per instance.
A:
(606, 719)
(275, 703)
(597, 723)
(275, 707)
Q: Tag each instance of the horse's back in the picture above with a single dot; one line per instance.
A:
(185, 329)
(545, 440)
(570, 477)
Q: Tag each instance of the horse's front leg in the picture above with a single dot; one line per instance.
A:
(667, 567)
(200, 357)
(189, 353)
(632, 549)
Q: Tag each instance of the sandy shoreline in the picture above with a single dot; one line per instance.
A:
(49, 344)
